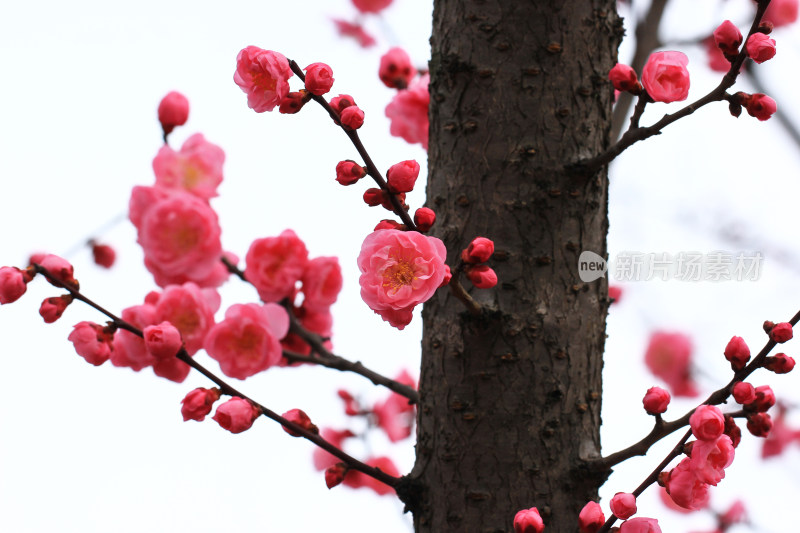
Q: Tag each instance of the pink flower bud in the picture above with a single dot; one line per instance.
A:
(591, 518)
(758, 105)
(623, 78)
(301, 419)
(744, 392)
(348, 172)
(163, 340)
(737, 352)
(352, 117)
(334, 475)
(424, 219)
(92, 342)
(173, 110)
(13, 284)
(293, 102)
(733, 431)
(781, 332)
(339, 103)
(103, 255)
(60, 269)
(655, 402)
(759, 424)
(402, 176)
(396, 70)
(236, 415)
(481, 276)
(528, 521)
(765, 399)
(640, 525)
(319, 78)
(707, 422)
(728, 38)
(374, 196)
(623, 505)
(760, 47)
(780, 363)
(665, 76)
(447, 276)
(478, 251)
(198, 403)
(52, 308)
(389, 224)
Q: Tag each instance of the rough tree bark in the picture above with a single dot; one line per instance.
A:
(510, 398)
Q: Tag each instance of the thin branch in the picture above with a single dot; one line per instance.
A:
(372, 170)
(662, 429)
(588, 167)
(227, 389)
(327, 358)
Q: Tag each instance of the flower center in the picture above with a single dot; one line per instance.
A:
(399, 274)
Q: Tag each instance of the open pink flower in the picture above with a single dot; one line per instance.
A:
(248, 340)
(322, 282)
(179, 233)
(781, 12)
(92, 342)
(275, 265)
(669, 357)
(264, 76)
(709, 459)
(190, 309)
(395, 415)
(640, 525)
(129, 349)
(13, 284)
(197, 168)
(408, 112)
(665, 76)
(684, 487)
(399, 269)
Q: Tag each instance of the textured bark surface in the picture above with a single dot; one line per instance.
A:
(510, 400)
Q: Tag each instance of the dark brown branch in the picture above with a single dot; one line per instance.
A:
(662, 429)
(327, 358)
(372, 170)
(227, 389)
(588, 167)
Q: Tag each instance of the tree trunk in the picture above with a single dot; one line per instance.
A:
(510, 398)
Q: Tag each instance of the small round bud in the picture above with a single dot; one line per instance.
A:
(744, 392)
(334, 475)
(52, 308)
(163, 340)
(624, 78)
(765, 398)
(478, 251)
(528, 521)
(396, 70)
(402, 176)
(103, 255)
(352, 117)
(591, 518)
(424, 219)
(348, 172)
(779, 363)
(623, 505)
(13, 284)
(198, 403)
(759, 424)
(760, 47)
(781, 332)
(300, 418)
(737, 352)
(728, 38)
(319, 78)
(707, 422)
(293, 102)
(173, 110)
(656, 400)
(481, 276)
(236, 415)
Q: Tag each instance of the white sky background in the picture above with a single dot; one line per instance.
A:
(104, 449)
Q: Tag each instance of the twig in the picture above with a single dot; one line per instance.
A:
(227, 389)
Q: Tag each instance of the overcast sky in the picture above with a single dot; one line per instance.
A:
(104, 449)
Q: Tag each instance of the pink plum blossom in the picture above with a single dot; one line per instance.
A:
(198, 403)
(92, 342)
(371, 6)
(197, 168)
(162, 340)
(685, 488)
(319, 78)
(656, 400)
(668, 356)
(665, 76)
(399, 270)
(591, 518)
(129, 349)
(640, 525)
(781, 12)
(408, 112)
(52, 308)
(710, 458)
(247, 341)
(760, 47)
(236, 415)
(707, 422)
(351, 117)
(528, 521)
(623, 505)
(322, 282)
(13, 284)
(179, 233)
(623, 78)
(275, 265)
(424, 218)
(173, 110)
(299, 417)
(356, 479)
(737, 352)
(190, 309)
(402, 176)
(395, 415)
(728, 38)
(396, 70)
(264, 76)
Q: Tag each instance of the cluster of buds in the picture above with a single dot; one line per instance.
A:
(473, 256)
